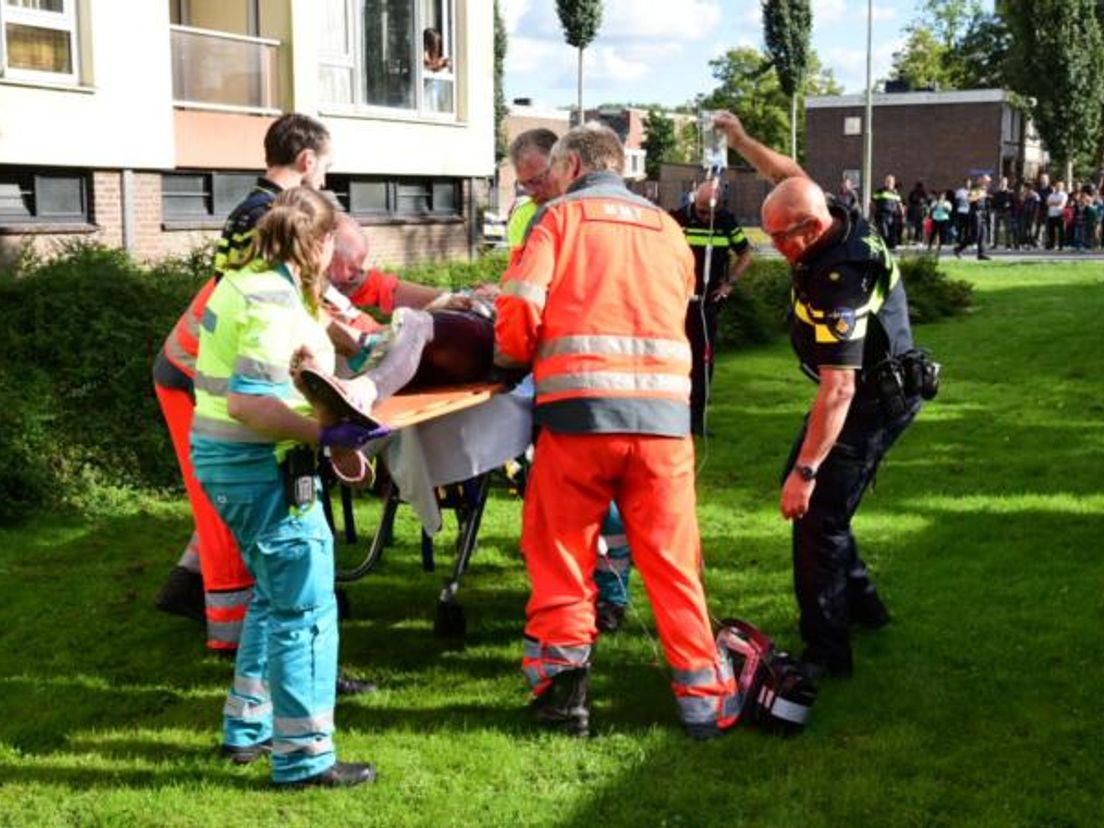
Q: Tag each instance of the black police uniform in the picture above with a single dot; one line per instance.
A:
(850, 311)
(887, 212)
(727, 238)
(978, 219)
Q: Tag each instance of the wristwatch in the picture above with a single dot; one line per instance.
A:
(806, 473)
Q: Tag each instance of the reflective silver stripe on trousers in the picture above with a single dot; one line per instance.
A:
(783, 709)
(227, 430)
(228, 600)
(215, 386)
(255, 369)
(306, 725)
(251, 686)
(315, 747)
(523, 290)
(614, 381)
(702, 677)
(228, 632)
(636, 346)
(698, 709)
(239, 708)
(190, 559)
(618, 566)
(578, 655)
(615, 541)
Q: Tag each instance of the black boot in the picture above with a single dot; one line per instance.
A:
(338, 775)
(610, 616)
(349, 686)
(867, 610)
(182, 594)
(247, 755)
(565, 706)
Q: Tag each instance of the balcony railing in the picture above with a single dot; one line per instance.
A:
(219, 70)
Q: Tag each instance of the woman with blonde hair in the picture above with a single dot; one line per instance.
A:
(254, 446)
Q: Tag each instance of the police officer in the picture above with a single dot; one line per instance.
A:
(709, 225)
(849, 324)
(887, 211)
(978, 218)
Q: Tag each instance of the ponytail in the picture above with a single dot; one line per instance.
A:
(293, 231)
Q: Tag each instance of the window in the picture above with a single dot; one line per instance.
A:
(394, 54)
(32, 196)
(397, 198)
(203, 196)
(852, 125)
(38, 40)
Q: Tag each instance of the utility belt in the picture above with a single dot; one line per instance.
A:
(299, 472)
(898, 379)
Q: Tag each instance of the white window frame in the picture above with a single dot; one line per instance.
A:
(63, 21)
(852, 125)
(354, 59)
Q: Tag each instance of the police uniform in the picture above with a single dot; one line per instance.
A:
(227, 583)
(286, 669)
(887, 212)
(849, 312)
(978, 219)
(727, 239)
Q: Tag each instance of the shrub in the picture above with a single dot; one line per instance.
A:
(931, 294)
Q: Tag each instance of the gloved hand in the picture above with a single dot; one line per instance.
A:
(349, 435)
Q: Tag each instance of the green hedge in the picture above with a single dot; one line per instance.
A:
(79, 423)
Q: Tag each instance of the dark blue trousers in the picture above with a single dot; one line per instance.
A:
(829, 575)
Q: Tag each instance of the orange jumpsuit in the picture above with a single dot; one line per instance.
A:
(596, 304)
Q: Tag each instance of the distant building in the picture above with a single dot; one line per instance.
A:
(523, 116)
(935, 137)
(140, 124)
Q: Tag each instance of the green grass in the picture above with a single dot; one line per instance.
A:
(978, 706)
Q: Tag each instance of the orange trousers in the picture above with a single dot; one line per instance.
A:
(573, 479)
(227, 584)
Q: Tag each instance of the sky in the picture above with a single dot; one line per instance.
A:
(659, 50)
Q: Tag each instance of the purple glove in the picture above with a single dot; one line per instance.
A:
(350, 435)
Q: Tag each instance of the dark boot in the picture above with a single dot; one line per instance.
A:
(338, 775)
(349, 686)
(610, 616)
(565, 706)
(867, 610)
(182, 594)
(247, 755)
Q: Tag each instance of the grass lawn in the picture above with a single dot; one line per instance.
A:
(979, 705)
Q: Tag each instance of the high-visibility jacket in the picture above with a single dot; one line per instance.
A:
(254, 321)
(520, 217)
(596, 303)
(182, 344)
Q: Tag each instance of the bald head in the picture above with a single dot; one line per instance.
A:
(795, 216)
(346, 271)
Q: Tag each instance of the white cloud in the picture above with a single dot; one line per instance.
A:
(884, 13)
(686, 20)
(512, 12)
(828, 11)
(850, 64)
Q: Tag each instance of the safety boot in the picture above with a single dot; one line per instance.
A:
(609, 616)
(337, 775)
(182, 594)
(867, 610)
(565, 705)
(247, 754)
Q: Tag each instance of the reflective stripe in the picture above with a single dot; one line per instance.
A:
(715, 241)
(614, 381)
(210, 320)
(176, 354)
(698, 709)
(251, 686)
(305, 725)
(523, 290)
(239, 708)
(637, 346)
(616, 541)
(702, 677)
(621, 415)
(215, 386)
(228, 600)
(227, 430)
(618, 566)
(788, 710)
(283, 298)
(226, 632)
(255, 369)
(316, 747)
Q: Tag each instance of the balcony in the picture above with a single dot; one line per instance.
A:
(225, 72)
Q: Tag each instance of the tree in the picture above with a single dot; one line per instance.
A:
(922, 63)
(500, 109)
(954, 45)
(1057, 60)
(786, 30)
(660, 141)
(749, 86)
(580, 20)
(949, 19)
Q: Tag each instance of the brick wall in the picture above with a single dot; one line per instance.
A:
(938, 144)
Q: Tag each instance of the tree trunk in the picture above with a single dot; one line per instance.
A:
(579, 121)
(793, 126)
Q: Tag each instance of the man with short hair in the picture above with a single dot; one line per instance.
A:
(595, 304)
(888, 211)
(978, 200)
(849, 325)
(529, 153)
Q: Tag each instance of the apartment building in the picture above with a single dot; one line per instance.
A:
(140, 124)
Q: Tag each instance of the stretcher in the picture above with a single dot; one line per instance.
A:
(414, 426)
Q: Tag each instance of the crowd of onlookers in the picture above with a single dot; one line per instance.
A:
(1015, 216)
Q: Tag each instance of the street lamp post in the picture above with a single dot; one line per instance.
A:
(868, 126)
